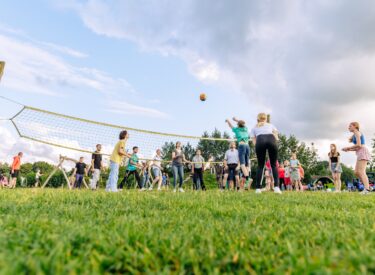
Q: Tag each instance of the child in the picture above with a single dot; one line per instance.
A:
(287, 180)
(282, 176)
(3, 181)
(295, 172)
(268, 177)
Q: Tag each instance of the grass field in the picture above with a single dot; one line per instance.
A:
(56, 231)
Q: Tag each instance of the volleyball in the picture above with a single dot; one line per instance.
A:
(203, 97)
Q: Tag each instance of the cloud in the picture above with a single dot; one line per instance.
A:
(309, 63)
(33, 67)
(125, 108)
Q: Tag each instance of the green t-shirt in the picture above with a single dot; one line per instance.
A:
(242, 134)
(133, 159)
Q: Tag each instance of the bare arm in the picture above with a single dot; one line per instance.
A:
(356, 146)
(229, 123)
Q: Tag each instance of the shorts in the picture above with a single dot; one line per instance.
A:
(287, 181)
(336, 168)
(156, 172)
(244, 154)
(231, 171)
(363, 154)
(15, 174)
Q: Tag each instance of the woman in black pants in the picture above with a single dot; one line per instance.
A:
(265, 139)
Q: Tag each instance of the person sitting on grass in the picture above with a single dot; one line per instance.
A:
(79, 171)
(3, 181)
(15, 170)
(132, 169)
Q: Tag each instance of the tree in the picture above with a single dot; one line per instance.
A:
(214, 148)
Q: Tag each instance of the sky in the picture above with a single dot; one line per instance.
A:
(143, 64)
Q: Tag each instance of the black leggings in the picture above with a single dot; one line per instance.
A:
(266, 143)
(125, 183)
(198, 174)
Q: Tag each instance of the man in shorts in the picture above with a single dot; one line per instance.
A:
(15, 169)
(231, 165)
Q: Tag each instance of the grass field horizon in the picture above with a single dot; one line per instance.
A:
(59, 231)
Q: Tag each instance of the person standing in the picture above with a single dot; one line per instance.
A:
(265, 138)
(242, 135)
(295, 173)
(363, 155)
(96, 166)
(15, 169)
(79, 171)
(231, 163)
(178, 160)
(281, 170)
(116, 159)
(37, 178)
(198, 170)
(132, 169)
(157, 169)
(335, 166)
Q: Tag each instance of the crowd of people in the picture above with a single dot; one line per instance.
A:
(232, 173)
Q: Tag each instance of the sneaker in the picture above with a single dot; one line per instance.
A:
(258, 191)
(159, 189)
(277, 190)
(365, 192)
(174, 190)
(143, 189)
(181, 190)
(150, 189)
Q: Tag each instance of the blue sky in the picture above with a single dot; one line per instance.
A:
(144, 63)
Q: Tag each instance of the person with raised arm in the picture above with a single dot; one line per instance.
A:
(242, 135)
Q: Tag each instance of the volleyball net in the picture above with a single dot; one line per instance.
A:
(83, 135)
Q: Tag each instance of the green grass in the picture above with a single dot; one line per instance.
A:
(57, 231)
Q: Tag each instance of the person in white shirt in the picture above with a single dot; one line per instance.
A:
(157, 170)
(197, 169)
(265, 137)
(231, 166)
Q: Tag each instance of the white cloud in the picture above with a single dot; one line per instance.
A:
(309, 63)
(34, 69)
(123, 107)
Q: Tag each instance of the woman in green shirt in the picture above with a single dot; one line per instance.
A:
(242, 135)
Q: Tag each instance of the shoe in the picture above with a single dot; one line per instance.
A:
(150, 189)
(143, 189)
(277, 190)
(159, 189)
(174, 190)
(258, 191)
(181, 190)
(365, 192)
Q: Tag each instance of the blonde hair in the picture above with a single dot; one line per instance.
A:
(335, 153)
(262, 119)
(356, 125)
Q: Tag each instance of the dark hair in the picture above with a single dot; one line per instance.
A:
(97, 145)
(123, 134)
(241, 124)
(20, 153)
(135, 147)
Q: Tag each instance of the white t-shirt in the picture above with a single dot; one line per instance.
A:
(198, 159)
(231, 156)
(266, 129)
(157, 162)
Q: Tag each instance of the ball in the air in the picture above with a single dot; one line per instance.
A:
(203, 97)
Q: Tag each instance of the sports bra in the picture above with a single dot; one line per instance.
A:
(362, 139)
